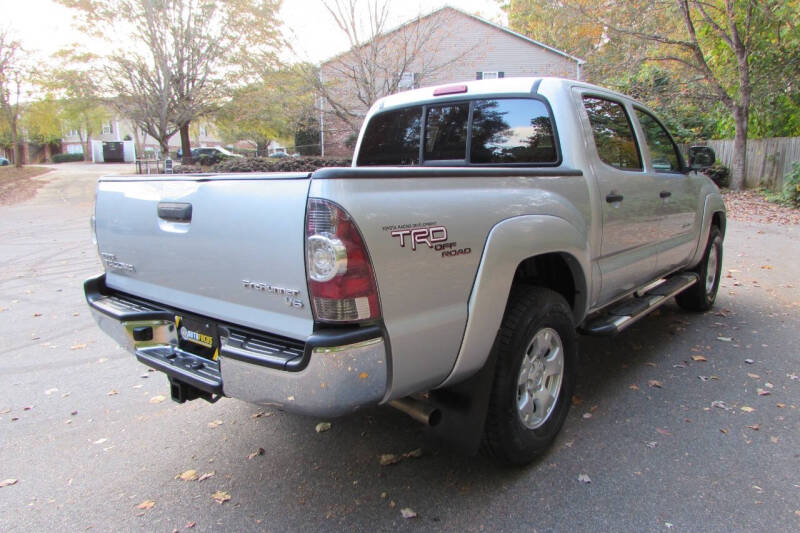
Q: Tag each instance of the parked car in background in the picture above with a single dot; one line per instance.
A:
(4, 162)
(209, 155)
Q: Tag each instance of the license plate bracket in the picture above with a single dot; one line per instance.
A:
(198, 335)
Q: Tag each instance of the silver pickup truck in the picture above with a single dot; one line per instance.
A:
(447, 273)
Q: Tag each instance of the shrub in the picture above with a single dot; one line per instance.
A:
(791, 186)
(269, 164)
(719, 174)
(66, 158)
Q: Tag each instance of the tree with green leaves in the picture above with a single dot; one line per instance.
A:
(185, 57)
(268, 109)
(12, 77)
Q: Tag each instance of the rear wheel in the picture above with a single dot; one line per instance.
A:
(536, 350)
(702, 295)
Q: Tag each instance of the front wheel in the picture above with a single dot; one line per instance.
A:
(536, 350)
(702, 295)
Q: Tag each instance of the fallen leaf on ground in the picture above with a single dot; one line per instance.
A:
(651, 444)
(720, 404)
(648, 363)
(587, 415)
(576, 400)
(112, 393)
(755, 427)
(634, 387)
(147, 504)
(322, 426)
(754, 376)
(256, 453)
(221, 497)
(407, 512)
(389, 459)
(99, 441)
(215, 423)
(8, 482)
(766, 267)
(584, 478)
(747, 409)
(780, 405)
(724, 339)
(48, 392)
(774, 440)
(77, 346)
(762, 392)
(723, 430)
(413, 454)
(261, 414)
(654, 383)
(5, 411)
(189, 525)
(189, 475)
(769, 385)
(749, 361)
(207, 475)
(157, 399)
(700, 358)
(664, 432)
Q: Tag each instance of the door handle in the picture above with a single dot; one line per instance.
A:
(665, 194)
(175, 212)
(613, 197)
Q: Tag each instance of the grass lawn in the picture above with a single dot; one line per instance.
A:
(16, 184)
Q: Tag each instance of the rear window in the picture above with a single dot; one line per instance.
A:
(504, 131)
(392, 138)
(512, 131)
(446, 132)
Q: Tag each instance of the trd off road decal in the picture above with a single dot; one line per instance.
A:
(429, 234)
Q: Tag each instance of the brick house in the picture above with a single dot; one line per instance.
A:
(456, 46)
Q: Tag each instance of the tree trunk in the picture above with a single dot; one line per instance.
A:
(163, 144)
(261, 148)
(739, 166)
(15, 143)
(186, 145)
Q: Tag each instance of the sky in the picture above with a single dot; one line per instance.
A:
(44, 27)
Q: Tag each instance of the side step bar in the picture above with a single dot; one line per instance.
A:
(621, 315)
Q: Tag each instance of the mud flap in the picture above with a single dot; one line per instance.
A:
(464, 406)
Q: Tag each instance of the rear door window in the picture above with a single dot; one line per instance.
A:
(512, 130)
(392, 138)
(613, 133)
(446, 132)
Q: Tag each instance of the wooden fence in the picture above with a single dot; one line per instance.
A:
(768, 160)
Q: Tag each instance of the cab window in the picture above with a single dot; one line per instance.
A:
(613, 133)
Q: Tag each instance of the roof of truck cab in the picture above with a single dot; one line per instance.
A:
(483, 88)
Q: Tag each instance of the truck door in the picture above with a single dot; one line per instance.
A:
(628, 197)
(677, 198)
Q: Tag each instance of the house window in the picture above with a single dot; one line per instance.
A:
(408, 80)
(72, 133)
(107, 129)
(489, 75)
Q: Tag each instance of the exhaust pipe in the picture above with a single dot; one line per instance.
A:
(418, 410)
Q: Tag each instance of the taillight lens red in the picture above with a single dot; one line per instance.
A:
(341, 280)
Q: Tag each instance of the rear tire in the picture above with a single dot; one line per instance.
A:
(702, 295)
(536, 351)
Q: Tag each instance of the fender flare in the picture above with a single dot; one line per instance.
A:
(713, 204)
(509, 243)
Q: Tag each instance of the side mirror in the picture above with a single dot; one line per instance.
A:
(701, 157)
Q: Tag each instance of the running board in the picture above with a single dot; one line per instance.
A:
(621, 315)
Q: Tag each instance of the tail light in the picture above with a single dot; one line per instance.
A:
(341, 281)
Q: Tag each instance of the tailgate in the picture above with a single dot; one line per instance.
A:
(225, 247)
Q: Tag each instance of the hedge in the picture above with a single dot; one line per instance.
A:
(66, 158)
(267, 164)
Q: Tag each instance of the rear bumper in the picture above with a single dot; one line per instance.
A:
(332, 373)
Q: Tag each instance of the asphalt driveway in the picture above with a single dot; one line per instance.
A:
(685, 422)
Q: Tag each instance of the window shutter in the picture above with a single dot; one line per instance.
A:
(479, 75)
(501, 74)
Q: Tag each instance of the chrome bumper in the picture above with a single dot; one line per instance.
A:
(334, 380)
